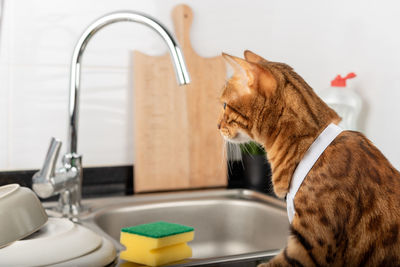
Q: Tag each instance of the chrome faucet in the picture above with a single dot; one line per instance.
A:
(67, 180)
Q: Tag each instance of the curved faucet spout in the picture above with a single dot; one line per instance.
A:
(67, 181)
(181, 71)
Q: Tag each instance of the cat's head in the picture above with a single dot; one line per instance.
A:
(263, 98)
(244, 96)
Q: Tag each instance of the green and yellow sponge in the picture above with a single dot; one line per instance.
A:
(156, 243)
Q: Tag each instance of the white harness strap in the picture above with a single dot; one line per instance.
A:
(308, 161)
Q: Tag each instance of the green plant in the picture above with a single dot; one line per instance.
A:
(252, 148)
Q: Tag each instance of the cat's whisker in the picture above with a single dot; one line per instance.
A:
(229, 156)
(224, 158)
(239, 147)
(234, 153)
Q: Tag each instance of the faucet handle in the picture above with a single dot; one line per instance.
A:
(49, 164)
(41, 179)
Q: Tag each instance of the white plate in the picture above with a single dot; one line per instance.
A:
(102, 256)
(21, 213)
(57, 241)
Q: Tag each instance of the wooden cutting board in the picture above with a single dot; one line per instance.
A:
(177, 144)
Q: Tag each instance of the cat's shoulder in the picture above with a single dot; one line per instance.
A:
(351, 137)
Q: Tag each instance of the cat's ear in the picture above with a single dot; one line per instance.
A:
(266, 79)
(253, 57)
(252, 74)
(241, 68)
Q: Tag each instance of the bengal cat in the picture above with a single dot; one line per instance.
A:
(347, 210)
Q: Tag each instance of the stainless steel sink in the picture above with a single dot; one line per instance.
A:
(229, 224)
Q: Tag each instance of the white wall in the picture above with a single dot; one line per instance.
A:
(318, 38)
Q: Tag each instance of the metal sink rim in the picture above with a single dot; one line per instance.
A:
(94, 206)
(97, 206)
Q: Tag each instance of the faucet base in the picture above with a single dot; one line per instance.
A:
(66, 206)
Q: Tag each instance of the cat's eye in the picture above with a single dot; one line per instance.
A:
(224, 105)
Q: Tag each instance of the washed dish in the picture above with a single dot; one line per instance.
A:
(57, 241)
(21, 213)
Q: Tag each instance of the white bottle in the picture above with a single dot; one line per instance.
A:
(345, 101)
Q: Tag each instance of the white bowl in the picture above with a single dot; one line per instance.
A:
(59, 240)
(21, 213)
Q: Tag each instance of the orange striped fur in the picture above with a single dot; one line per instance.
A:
(348, 207)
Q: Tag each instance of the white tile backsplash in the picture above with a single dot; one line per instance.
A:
(4, 105)
(38, 109)
(105, 126)
(38, 36)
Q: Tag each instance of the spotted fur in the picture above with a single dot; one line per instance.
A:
(348, 207)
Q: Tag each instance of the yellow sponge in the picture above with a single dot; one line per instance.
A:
(156, 243)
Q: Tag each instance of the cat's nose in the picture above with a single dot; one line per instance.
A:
(219, 126)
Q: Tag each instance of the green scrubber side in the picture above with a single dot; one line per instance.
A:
(158, 229)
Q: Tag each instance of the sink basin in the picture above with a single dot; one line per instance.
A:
(228, 223)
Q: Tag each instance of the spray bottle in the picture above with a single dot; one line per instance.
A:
(344, 100)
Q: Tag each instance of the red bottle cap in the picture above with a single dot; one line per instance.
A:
(341, 82)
